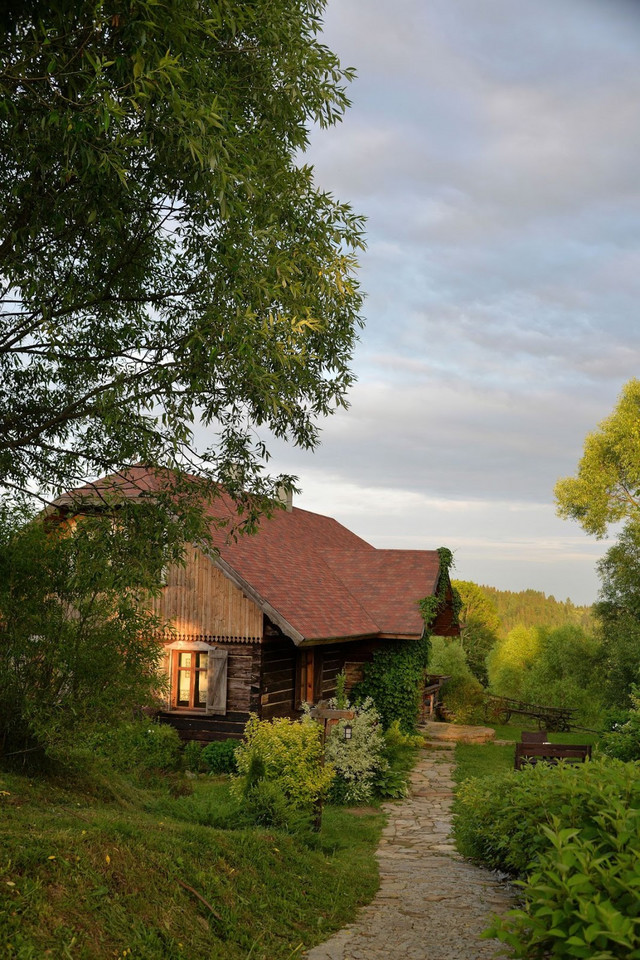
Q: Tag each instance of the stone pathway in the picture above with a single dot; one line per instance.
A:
(432, 904)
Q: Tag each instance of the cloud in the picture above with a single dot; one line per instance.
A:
(494, 148)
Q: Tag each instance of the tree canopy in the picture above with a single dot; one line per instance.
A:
(479, 625)
(79, 640)
(618, 612)
(606, 488)
(165, 256)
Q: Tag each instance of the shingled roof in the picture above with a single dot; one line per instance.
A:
(312, 576)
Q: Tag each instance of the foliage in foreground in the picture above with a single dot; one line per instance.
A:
(96, 865)
(166, 256)
(77, 643)
(572, 833)
(581, 897)
(497, 820)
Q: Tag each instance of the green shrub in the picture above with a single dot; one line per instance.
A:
(287, 752)
(581, 898)
(613, 718)
(265, 804)
(142, 743)
(192, 757)
(400, 751)
(394, 680)
(220, 756)
(498, 820)
(464, 700)
(390, 784)
(623, 739)
(358, 761)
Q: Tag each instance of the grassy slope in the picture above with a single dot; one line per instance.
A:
(90, 872)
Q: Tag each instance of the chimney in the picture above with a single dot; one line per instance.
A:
(285, 495)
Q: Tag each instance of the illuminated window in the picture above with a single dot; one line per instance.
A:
(197, 676)
(191, 679)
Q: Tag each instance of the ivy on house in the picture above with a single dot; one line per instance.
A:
(431, 606)
(394, 678)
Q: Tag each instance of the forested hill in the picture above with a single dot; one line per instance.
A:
(532, 608)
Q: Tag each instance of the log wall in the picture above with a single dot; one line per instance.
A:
(206, 729)
(243, 685)
(278, 675)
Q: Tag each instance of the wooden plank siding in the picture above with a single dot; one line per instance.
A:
(445, 624)
(200, 601)
(202, 604)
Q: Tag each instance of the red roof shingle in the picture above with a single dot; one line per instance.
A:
(318, 576)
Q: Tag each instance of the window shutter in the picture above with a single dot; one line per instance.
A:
(165, 670)
(217, 680)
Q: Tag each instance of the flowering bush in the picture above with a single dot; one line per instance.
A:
(358, 761)
(288, 752)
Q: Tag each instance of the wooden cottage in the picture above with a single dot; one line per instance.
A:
(268, 621)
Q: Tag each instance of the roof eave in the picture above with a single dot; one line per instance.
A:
(264, 605)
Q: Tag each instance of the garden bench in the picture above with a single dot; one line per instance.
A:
(532, 753)
(534, 736)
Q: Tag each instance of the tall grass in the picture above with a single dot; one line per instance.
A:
(99, 866)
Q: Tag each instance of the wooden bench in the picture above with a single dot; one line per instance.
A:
(534, 736)
(532, 753)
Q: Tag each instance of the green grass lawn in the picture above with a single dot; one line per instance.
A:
(513, 730)
(490, 759)
(107, 869)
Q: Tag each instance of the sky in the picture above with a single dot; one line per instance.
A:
(495, 149)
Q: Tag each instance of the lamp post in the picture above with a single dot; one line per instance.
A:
(327, 717)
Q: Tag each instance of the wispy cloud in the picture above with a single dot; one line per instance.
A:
(494, 147)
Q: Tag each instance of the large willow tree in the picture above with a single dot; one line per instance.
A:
(165, 257)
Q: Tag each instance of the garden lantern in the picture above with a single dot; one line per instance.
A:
(347, 732)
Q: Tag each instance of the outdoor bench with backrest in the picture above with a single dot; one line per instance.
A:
(532, 750)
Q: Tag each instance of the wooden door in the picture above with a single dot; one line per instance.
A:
(308, 677)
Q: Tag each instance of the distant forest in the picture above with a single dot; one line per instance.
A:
(532, 608)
